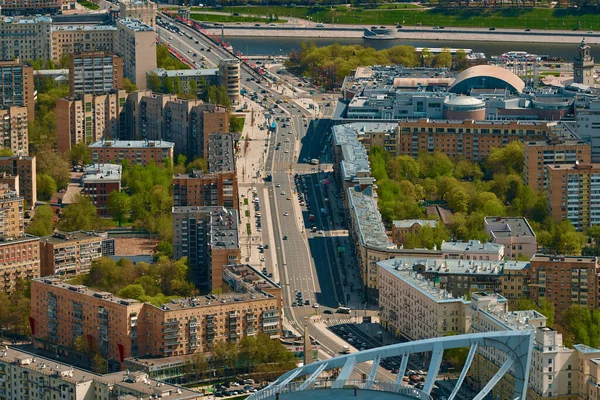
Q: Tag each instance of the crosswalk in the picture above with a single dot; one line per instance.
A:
(336, 321)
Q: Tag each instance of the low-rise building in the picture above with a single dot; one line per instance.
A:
(11, 213)
(514, 233)
(414, 308)
(72, 253)
(25, 168)
(472, 250)
(137, 152)
(402, 228)
(200, 189)
(19, 259)
(99, 181)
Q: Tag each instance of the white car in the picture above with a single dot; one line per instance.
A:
(285, 214)
(283, 192)
(316, 305)
(277, 185)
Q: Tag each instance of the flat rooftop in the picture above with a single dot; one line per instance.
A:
(56, 28)
(95, 173)
(354, 156)
(508, 227)
(136, 144)
(472, 246)
(409, 223)
(367, 217)
(222, 224)
(213, 300)
(568, 259)
(67, 237)
(136, 25)
(185, 73)
(459, 267)
(7, 241)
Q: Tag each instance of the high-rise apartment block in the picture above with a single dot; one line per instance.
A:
(72, 253)
(25, 169)
(229, 71)
(514, 233)
(11, 213)
(208, 237)
(16, 86)
(136, 43)
(220, 153)
(588, 126)
(19, 259)
(76, 39)
(99, 181)
(20, 7)
(574, 194)
(88, 118)
(14, 133)
(200, 189)
(564, 280)
(25, 38)
(539, 154)
(143, 10)
(95, 73)
(137, 152)
(122, 328)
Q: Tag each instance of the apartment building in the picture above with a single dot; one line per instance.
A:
(514, 233)
(137, 152)
(220, 153)
(564, 280)
(402, 228)
(539, 154)
(99, 181)
(25, 375)
(200, 77)
(19, 259)
(229, 71)
(20, 7)
(472, 250)
(123, 328)
(200, 189)
(587, 117)
(88, 118)
(553, 370)
(25, 38)
(468, 139)
(11, 213)
(414, 308)
(96, 72)
(16, 86)
(350, 159)
(14, 133)
(10, 181)
(574, 194)
(76, 39)
(136, 43)
(144, 115)
(25, 168)
(208, 237)
(72, 253)
(142, 10)
(514, 283)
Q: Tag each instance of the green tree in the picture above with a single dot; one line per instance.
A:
(443, 60)
(50, 163)
(79, 154)
(64, 61)
(119, 205)
(427, 58)
(168, 87)
(42, 222)
(5, 152)
(154, 82)
(461, 62)
(509, 159)
(129, 86)
(99, 364)
(223, 97)
(193, 89)
(132, 291)
(236, 124)
(211, 95)
(46, 187)
(198, 163)
(177, 85)
(544, 307)
(80, 215)
(82, 345)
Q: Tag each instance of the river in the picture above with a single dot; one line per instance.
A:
(283, 46)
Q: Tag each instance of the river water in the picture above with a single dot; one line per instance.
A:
(283, 46)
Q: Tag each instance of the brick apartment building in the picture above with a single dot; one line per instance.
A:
(99, 181)
(16, 86)
(95, 72)
(25, 168)
(200, 189)
(137, 152)
(19, 259)
(14, 130)
(11, 213)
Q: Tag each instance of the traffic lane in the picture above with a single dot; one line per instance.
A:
(327, 296)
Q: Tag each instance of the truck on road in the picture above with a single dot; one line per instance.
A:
(314, 161)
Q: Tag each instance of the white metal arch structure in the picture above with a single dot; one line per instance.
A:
(517, 345)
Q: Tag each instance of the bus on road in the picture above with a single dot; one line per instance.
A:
(343, 310)
(314, 161)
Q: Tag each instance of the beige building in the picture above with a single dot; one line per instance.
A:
(11, 213)
(88, 118)
(70, 253)
(25, 168)
(16, 86)
(414, 308)
(75, 39)
(229, 72)
(574, 194)
(539, 154)
(402, 228)
(20, 7)
(514, 233)
(14, 131)
(137, 152)
(96, 72)
(514, 283)
(25, 375)
(123, 328)
(143, 10)
(200, 189)
(19, 259)
(136, 43)
(25, 38)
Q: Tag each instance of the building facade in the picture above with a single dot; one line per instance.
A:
(587, 118)
(583, 65)
(514, 233)
(402, 228)
(20, 7)
(70, 253)
(95, 73)
(89, 118)
(16, 86)
(229, 71)
(14, 130)
(99, 181)
(574, 194)
(143, 10)
(137, 152)
(25, 168)
(564, 280)
(137, 45)
(11, 213)
(25, 38)
(76, 39)
(200, 189)
(19, 259)
(208, 237)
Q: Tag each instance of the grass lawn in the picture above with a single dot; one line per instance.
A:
(248, 229)
(89, 4)
(231, 18)
(246, 201)
(507, 17)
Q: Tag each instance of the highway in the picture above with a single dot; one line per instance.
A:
(301, 260)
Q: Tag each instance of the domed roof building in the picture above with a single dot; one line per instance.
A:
(464, 107)
(486, 77)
